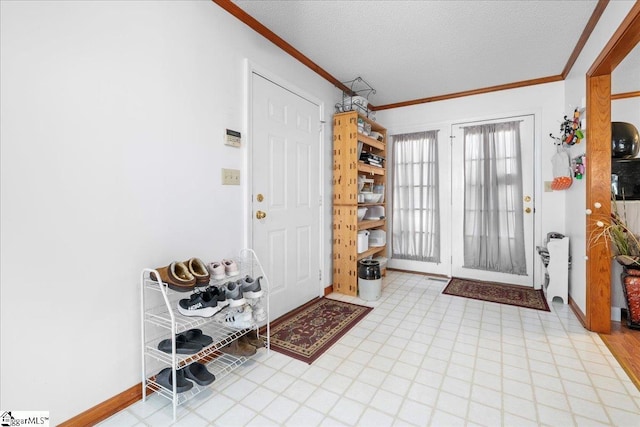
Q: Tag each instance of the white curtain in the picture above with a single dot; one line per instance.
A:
(493, 216)
(416, 218)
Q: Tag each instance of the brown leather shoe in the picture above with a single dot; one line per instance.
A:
(239, 348)
(199, 270)
(177, 276)
(251, 338)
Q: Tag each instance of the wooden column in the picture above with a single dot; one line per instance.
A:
(599, 191)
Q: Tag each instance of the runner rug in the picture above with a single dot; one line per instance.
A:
(310, 330)
(520, 296)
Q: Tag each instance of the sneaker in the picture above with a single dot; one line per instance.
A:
(220, 294)
(236, 319)
(217, 270)
(259, 315)
(251, 287)
(230, 267)
(202, 304)
(239, 324)
(199, 271)
(234, 294)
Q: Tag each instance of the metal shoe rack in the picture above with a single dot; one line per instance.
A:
(161, 320)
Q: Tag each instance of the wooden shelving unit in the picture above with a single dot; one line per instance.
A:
(346, 168)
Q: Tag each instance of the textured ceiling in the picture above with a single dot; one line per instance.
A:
(410, 50)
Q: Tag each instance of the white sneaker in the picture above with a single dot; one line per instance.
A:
(259, 314)
(236, 319)
(230, 267)
(217, 270)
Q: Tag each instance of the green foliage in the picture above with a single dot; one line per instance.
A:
(616, 235)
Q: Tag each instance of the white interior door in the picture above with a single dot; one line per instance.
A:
(458, 209)
(286, 191)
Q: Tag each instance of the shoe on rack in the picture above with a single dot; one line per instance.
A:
(198, 373)
(220, 293)
(199, 271)
(236, 319)
(202, 304)
(177, 276)
(196, 336)
(217, 270)
(251, 288)
(251, 338)
(239, 348)
(233, 291)
(230, 267)
(259, 314)
(183, 346)
(165, 379)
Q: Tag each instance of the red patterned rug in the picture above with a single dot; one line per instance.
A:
(310, 330)
(520, 296)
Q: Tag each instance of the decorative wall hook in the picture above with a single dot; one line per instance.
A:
(556, 140)
(570, 129)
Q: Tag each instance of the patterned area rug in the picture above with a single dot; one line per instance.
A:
(520, 296)
(310, 330)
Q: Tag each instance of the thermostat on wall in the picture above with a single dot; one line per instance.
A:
(232, 138)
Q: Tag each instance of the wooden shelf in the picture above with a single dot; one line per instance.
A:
(371, 251)
(370, 223)
(374, 170)
(371, 142)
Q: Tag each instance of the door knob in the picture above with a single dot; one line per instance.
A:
(528, 210)
(261, 214)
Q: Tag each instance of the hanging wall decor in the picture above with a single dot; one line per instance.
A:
(565, 170)
(571, 131)
(578, 166)
(562, 173)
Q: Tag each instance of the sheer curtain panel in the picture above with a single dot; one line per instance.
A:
(493, 216)
(416, 218)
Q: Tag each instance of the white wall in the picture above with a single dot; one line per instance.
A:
(575, 93)
(113, 115)
(545, 101)
(626, 110)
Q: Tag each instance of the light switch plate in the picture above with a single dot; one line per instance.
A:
(232, 138)
(230, 176)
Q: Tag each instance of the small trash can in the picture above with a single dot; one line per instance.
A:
(369, 280)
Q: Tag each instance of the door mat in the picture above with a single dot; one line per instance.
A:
(308, 331)
(520, 296)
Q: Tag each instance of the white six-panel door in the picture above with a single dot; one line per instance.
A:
(285, 190)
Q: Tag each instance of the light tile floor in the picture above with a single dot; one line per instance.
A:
(421, 358)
